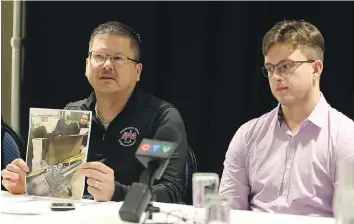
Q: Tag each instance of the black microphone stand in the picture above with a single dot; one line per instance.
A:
(150, 176)
(140, 195)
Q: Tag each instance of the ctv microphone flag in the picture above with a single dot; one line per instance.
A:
(150, 150)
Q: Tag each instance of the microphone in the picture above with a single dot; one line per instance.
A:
(155, 155)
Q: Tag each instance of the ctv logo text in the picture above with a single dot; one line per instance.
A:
(155, 148)
(145, 147)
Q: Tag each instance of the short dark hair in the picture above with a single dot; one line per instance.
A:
(119, 29)
(298, 32)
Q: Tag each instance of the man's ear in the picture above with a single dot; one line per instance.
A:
(139, 68)
(87, 67)
(317, 68)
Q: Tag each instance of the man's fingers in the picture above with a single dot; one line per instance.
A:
(93, 191)
(100, 180)
(9, 175)
(97, 194)
(97, 184)
(15, 169)
(21, 164)
(7, 183)
(94, 183)
(97, 166)
(91, 173)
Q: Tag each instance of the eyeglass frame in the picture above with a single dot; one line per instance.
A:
(110, 57)
(265, 70)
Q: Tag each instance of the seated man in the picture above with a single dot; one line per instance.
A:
(83, 125)
(84, 121)
(122, 116)
(286, 160)
(9, 149)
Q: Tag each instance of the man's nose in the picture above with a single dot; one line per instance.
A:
(277, 75)
(108, 65)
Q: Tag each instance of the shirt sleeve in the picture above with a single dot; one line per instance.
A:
(345, 148)
(234, 180)
(170, 187)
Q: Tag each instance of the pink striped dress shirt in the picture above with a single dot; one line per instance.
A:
(269, 169)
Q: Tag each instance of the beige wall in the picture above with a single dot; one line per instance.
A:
(6, 34)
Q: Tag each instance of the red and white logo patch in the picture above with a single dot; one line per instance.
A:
(128, 136)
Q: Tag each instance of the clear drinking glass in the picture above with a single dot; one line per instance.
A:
(204, 184)
(343, 200)
(217, 209)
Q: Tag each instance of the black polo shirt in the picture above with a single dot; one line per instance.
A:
(142, 116)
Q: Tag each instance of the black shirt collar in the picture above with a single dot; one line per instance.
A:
(90, 102)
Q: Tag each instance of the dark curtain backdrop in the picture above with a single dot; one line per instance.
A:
(204, 57)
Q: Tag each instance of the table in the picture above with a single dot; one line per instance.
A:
(37, 211)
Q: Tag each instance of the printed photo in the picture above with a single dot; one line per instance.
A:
(58, 142)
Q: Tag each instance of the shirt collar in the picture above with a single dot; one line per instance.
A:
(90, 102)
(317, 116)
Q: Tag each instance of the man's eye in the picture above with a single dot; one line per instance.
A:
(98, 57)
(270, 69)
(287, 65)
(117, 58)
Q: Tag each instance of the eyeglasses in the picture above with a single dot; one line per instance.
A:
(118, 59)
(283, 68)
